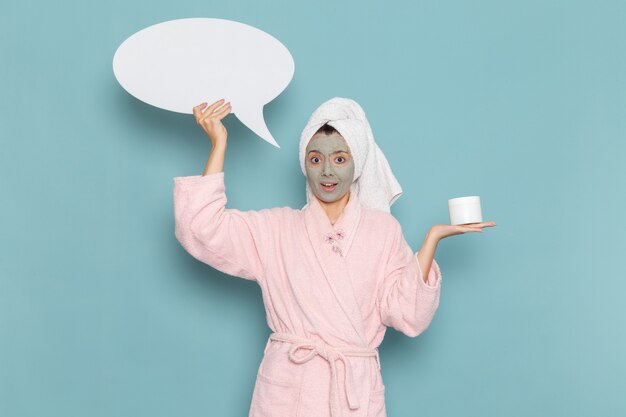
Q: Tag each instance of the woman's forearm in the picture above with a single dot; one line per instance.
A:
(215, 163)
(427, 253)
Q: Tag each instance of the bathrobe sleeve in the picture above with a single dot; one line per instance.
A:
(406, 302)
(226, 239)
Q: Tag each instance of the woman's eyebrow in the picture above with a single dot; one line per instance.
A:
(339, 151)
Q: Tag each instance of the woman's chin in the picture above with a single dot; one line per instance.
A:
(329, 198)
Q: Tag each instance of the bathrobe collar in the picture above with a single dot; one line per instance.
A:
(331, 244)
(344, 229)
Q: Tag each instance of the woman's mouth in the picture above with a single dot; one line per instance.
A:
(328, 186)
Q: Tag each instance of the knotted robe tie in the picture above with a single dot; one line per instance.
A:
(331, 355)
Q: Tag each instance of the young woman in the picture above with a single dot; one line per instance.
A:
(334, 274)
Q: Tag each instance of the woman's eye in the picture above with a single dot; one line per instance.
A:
(315, 159)
(340, 159)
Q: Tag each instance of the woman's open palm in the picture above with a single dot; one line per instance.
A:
(444, 230)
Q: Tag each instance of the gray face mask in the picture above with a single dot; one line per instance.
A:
(328, 160)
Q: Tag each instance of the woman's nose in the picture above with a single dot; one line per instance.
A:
(327, 168)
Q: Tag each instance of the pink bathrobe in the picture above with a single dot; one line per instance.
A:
(330, 291)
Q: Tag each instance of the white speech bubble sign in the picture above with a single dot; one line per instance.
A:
(178, 64)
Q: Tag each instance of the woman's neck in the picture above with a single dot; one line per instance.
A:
(333, 210)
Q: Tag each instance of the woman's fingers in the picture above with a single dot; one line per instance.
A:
(199, 107)
(213, 106)
(200, 112)
(215, 112)
(209, 118)
(223, 111)
(483, 224)
(197, 111)
(469, 229)
(444, 230)
(477, 227)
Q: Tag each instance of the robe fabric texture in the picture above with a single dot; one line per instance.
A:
(330, 292)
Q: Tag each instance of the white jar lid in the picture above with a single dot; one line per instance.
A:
(472, 199)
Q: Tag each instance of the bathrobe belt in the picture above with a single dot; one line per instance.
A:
(331, 354)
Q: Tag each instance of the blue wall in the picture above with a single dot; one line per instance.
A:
(102, 313)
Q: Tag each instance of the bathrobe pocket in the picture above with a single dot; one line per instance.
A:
(272, 399)
(278, 384)
(377, 404)
(377, 396)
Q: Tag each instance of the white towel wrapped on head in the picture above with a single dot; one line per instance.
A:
(374, 183)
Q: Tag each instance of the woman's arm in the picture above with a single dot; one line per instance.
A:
(439, 231)
(211, 122)
(426, 253)
(227, 239)
(407, 296)
(230, 240)
(215, 163)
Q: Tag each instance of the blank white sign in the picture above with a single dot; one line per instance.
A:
(178, 64)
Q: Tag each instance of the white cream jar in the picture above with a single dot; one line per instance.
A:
(465, 210)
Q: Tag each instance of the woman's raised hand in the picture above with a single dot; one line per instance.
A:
(210, 119)
(440, 231)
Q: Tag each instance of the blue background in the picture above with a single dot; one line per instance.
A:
(102, 313)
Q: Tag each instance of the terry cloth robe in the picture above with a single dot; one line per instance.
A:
(329, 291)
